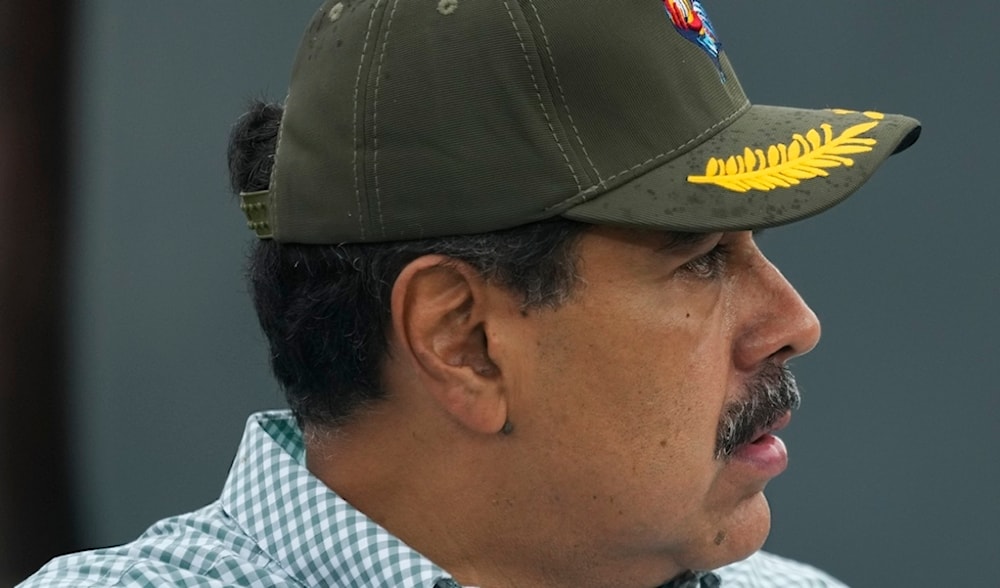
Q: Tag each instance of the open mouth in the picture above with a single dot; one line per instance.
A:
(774, 427)
(765, 453)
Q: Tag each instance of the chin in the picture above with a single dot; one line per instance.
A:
(734, 537)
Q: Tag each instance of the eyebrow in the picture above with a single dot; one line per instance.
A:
(682, 241)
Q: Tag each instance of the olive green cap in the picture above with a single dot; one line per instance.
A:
(408, 119)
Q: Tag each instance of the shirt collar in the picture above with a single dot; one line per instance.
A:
(313, 533)
(695, 580)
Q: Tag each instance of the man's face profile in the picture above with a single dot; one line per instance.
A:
(624, 386)
(640, 405)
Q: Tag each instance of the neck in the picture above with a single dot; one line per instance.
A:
(463, 501)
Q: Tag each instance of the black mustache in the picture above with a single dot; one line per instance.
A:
(771, 394)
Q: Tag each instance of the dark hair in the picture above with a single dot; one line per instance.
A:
(325, 308)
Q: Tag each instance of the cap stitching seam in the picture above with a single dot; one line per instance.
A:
(378, 83)
(354, 122)
(538, 94)
(736, 113)
(583, 196)
(562, 93)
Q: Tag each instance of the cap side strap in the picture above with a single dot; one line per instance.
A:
(254, 206)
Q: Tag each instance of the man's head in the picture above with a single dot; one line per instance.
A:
(508, 263)
(325, 308)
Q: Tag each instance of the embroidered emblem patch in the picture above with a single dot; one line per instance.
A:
(785, 165)
(692, 23)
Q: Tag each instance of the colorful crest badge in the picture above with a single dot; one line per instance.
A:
(691, 20)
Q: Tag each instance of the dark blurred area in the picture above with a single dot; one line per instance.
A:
(36, 518)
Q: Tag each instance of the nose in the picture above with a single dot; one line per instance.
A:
(777, 324)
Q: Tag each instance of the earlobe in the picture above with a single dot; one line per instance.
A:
(439, 310)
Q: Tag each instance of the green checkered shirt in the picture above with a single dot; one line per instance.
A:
(277, 525)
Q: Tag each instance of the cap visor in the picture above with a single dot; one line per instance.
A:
(771, 166)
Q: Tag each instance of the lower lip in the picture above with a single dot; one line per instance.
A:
(767, 455)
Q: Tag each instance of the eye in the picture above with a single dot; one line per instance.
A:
(710, 265)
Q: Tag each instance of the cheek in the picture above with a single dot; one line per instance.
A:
(636, 401)
(639, 365)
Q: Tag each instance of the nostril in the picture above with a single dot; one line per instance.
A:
(782, 355)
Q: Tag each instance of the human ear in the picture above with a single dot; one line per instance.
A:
(439, 308)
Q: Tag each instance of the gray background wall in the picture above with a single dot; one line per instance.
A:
(894, 475)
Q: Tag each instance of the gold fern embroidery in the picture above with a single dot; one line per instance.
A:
(783, 166)
(869, 113)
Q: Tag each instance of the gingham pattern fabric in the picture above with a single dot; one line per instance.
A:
(277, 525)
